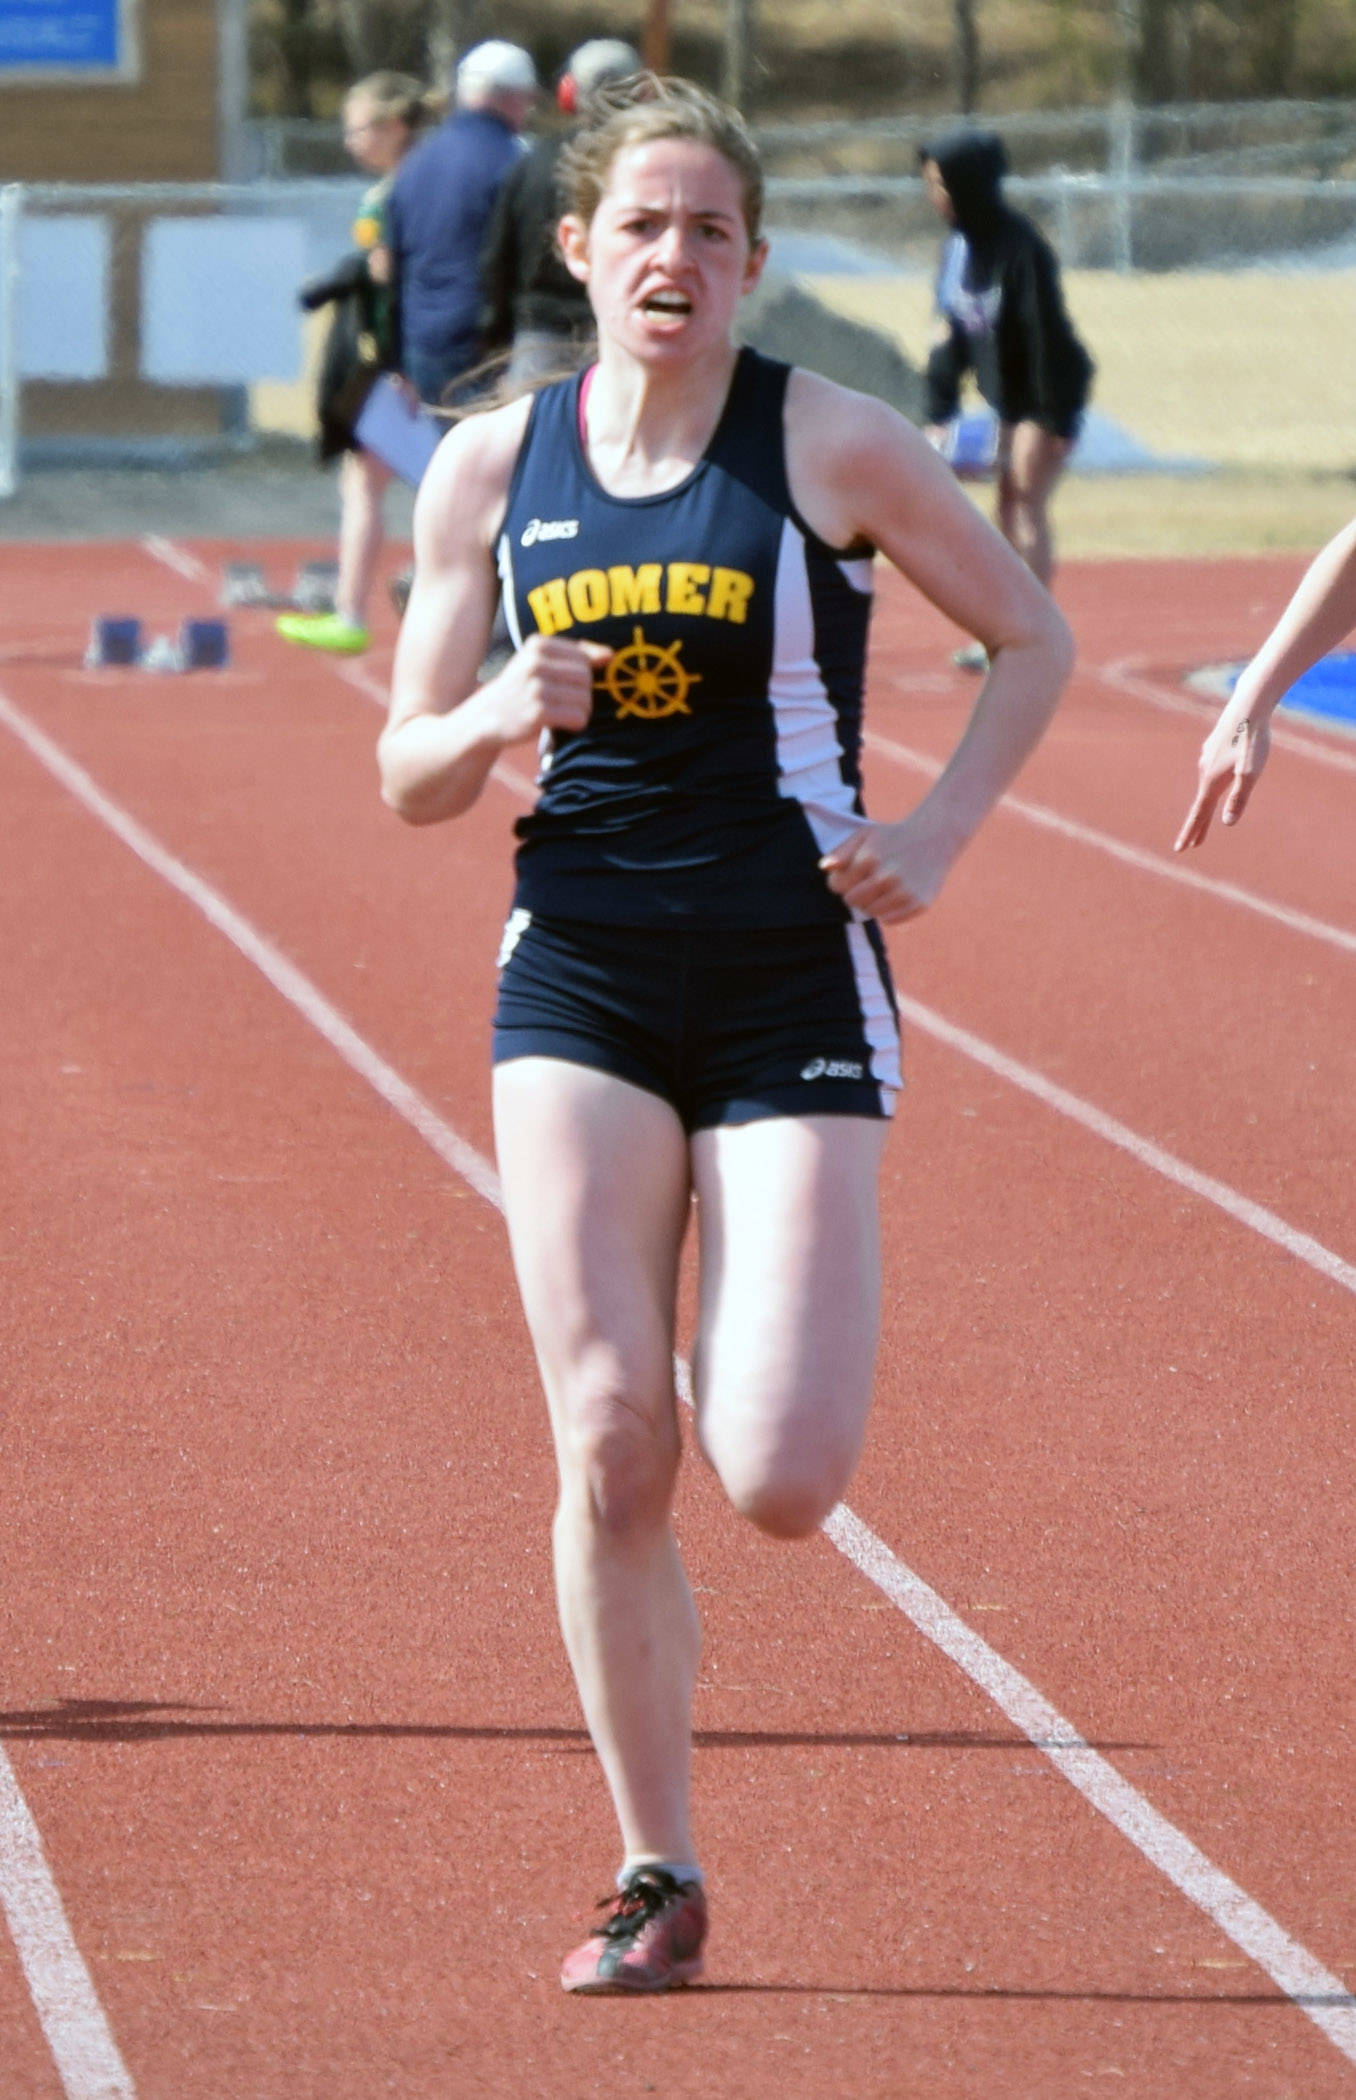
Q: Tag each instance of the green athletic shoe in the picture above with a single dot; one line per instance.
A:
(324, 631)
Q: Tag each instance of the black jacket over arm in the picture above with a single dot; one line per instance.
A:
(522, 273)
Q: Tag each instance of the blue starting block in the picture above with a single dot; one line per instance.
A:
(113, 639)
(204, 645)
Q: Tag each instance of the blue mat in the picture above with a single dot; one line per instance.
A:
(1327, 691)
(1103, 447)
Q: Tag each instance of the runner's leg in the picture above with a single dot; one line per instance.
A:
(789, 1309)
(596, 1190)
(363, 481)
(1030, 461)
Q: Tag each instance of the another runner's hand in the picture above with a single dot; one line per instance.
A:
(885, 871)
(548, 684)
(1232, 757)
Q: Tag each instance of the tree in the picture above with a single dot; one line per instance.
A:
(453, 27)
(738, 62)
(965, 51)
(1270, 33)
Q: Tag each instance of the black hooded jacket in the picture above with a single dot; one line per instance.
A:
(1000, 301)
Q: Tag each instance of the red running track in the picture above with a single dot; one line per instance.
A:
(283, 1693)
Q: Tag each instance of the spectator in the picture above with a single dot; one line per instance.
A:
(439, 209)
(1001, 315)
(531, 301)
(383, 116)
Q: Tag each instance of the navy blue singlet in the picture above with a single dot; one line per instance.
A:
(723, 753)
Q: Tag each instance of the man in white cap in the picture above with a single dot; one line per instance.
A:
(439, 208)
(531, 300)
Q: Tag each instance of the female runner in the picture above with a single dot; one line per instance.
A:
(694, 994)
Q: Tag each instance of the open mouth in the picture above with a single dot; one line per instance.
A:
(669, 306)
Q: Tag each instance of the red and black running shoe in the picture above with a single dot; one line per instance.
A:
(651, 1939)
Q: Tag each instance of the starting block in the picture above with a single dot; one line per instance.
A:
(114, 639)
(244, 583)
(204, 645)
(201, 645)
(313, 590)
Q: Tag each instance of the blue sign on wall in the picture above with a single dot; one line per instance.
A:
(81, 37)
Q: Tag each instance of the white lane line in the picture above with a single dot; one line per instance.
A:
(1127, 675)
(1291, 1967)
(1138, 857)
(69, 2013)
(270, 961)
(372, 688)
(362, 680)
(1134, 856)
(1295, 1972)
(174, 557)
(1255, 1216)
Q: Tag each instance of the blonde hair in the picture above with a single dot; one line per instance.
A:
(401, 96)
(646, 107)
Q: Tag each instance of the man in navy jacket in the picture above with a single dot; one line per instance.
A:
(438, 211)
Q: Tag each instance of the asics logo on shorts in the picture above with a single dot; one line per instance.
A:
(549, 529)
(831, 1068)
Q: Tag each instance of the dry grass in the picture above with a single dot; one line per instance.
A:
(1101, 515)
(1251, 370)
(1273, 403)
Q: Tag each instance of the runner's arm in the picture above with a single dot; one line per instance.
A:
(862, 473)
(445, 731)
(1321, 612)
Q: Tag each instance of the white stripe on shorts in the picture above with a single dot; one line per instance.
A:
(515, 926)
(878, 1020)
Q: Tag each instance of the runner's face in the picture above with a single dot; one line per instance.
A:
(939, 196)
(667, 255)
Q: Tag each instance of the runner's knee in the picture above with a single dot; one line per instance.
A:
(788, 1495)
(620, 1456)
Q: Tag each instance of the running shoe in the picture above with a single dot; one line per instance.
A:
(651, 1939)
(973, 657)
(324, 631)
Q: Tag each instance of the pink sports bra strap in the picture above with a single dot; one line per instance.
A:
(584, 385)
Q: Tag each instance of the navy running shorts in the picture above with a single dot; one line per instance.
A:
(728, 1025)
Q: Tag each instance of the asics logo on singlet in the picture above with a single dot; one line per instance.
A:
(831, 1068)
(549, 529)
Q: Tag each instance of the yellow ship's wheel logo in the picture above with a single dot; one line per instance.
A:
(648, 681)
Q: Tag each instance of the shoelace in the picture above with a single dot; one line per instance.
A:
(643, 1897)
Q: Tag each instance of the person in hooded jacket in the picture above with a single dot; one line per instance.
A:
(1002, 317)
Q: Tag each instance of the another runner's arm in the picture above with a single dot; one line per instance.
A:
(445, 731)
(1321, 613)
(860, 472)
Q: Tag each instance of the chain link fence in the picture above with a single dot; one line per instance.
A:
(159, 324)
